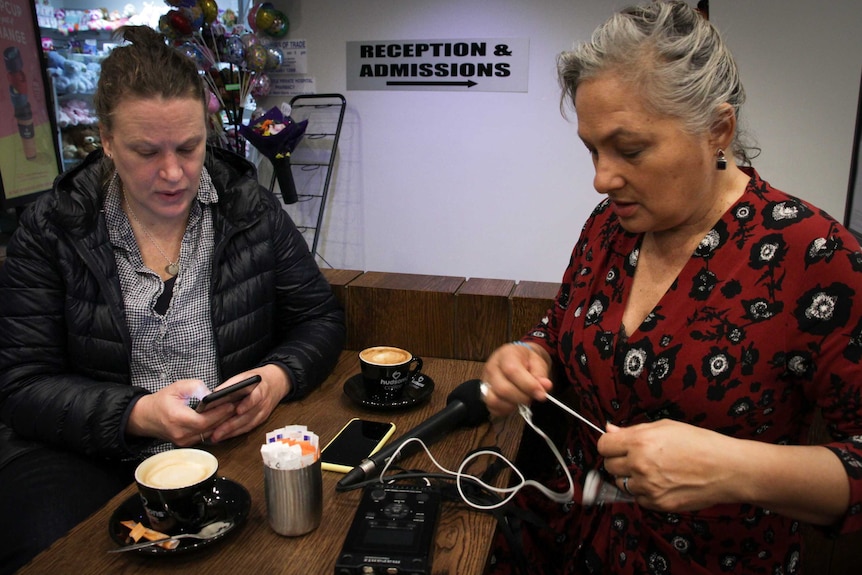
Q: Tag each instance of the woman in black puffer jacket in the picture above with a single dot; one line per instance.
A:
(102, 344)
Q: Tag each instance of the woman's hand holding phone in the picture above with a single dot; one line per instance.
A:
(165, 415)
(230, 394)
(256, 402)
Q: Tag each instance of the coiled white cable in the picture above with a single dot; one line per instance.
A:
(510, 492)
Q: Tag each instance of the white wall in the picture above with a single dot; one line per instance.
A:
(497, 185)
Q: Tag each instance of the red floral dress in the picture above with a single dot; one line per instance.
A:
(762, 325)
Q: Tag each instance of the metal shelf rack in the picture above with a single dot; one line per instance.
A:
(313, 159)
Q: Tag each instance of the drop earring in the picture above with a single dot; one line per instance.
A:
(720, 160)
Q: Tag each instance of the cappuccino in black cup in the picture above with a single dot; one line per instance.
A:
(176, 488)
(386, 370)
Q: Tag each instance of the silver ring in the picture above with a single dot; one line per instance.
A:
(626, 485)
(483, 389)
(202, 438)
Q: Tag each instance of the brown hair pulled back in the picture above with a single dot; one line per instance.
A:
(146, 66)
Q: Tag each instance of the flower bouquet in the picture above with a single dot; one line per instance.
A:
(275, 135)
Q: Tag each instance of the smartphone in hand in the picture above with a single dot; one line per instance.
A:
(229, 394)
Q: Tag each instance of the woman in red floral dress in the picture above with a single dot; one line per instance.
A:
(702, 320)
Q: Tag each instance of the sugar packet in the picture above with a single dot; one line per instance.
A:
(290, 447)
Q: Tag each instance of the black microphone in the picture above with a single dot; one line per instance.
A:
(464, 406)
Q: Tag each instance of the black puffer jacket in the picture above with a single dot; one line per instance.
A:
(64, 345)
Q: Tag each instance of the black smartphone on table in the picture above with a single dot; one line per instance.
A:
(229, 394)
(358, 439)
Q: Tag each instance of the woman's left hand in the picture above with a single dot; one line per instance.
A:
(674, 467)
(668, 465)
(254, 408)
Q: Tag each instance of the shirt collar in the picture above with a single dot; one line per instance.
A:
(207, 194)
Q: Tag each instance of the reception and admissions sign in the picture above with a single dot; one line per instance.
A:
(478, 65)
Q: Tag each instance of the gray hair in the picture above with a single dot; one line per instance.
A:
(675, 58)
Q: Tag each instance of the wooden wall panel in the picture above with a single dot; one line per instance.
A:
(530, 301)
(339, 280)
(482, 317)
(412, 311)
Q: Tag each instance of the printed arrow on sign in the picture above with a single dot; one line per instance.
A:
(467, 84)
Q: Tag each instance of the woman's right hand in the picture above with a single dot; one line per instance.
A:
(516, 374)
(166, 414)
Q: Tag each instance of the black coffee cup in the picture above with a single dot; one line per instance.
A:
(176, 489)
(386, 370)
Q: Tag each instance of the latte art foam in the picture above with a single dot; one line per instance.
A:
(176, 474)
(385, 355)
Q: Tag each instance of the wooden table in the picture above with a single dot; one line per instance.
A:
(463, 535)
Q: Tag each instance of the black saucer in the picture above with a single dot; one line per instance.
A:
(232, 501)
(419, 389)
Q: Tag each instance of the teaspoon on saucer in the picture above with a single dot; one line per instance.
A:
(207, 532)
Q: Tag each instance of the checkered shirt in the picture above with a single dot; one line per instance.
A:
(179, 344)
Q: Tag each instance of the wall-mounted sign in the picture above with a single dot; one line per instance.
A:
(291, 77)
(291, 85)
(478, 65)
(294, 56)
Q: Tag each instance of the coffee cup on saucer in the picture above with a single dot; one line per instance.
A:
(176, 488)
(386, 370)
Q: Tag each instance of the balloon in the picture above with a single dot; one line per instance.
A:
(213, 105)
(213, 38)
(234, 50)
(195, 16)
(279, 26)
(166, 28)
(255, 57)
(252, 17)
(192, 51)
(274, 57)
(179, 22)
(265, 16)
(249, 40)
(209, 9)
(260, 86)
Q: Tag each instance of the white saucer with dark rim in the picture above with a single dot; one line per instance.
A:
(232, 501)
(416, 391)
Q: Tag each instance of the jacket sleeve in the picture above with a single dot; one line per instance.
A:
(45, 395)
(310, 324)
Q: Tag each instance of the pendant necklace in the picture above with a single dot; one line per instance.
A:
(173, 268)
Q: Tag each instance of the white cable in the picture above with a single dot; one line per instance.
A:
(568, 409)
(510, 491)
